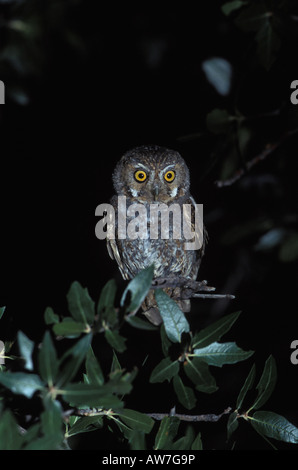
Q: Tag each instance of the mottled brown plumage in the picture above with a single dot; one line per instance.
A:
(148, 175)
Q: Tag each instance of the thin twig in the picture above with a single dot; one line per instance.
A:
(212, 296)
(254, 161)
(87, 412)
(191, 418)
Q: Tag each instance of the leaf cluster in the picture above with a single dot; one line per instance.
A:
(266, 423)
(75, 396)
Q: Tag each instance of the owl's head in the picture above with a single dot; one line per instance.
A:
(151, 174)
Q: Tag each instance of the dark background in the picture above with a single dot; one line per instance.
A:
(85, 84)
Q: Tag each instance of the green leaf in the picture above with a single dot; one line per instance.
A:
(16, 93)
(70, 328)
(174, 319)
(198, 372)
(137, 322)
(252, 18)
(21, 383)
(289, 249)
(232, 424)
(218, 72)
(139, 288)
(166, 432)
(45, 443)
(244, 135)
(218, 354)
(137, 440)
(136, 420)
(93, 369)
(31, 434)
(270, 239)
(165, 342)
(80, 304)
(2, 310)
(185, 394)
(197, 443)
(267, 383)
(122, 379)
(51, 420)
(115, 340)
(268, 45)
(218, 121)
(214, 331)
(229, 7)
(273, 425)
(47, 359)
(50, 317)
(107, 296)
(124, 429)
(72, 359)
(230, 164)
(246, 386)
(89, 395)
(26, 347)
(165, 370)
(93, 395)
(115, 366)
(256, 18)
(105, 306)
(184, 442)
(10, 437)
(85, 424)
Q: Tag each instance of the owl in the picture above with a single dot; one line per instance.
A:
(149, 175)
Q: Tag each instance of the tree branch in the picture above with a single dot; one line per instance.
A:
(254, 161)
(210, 417)
(191, 418)
(211, 296)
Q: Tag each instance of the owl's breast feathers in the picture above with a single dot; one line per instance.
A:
(169, 256)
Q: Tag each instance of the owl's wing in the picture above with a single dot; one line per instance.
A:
(115, 255)
(113, 244)
(201, 237)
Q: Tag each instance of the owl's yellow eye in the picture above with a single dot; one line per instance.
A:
(169, 176)
(140, 176)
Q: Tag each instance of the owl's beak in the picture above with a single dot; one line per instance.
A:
(155, 192)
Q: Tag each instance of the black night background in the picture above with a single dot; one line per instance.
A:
(84, 83)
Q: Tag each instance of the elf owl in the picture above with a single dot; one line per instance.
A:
(149, 175)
